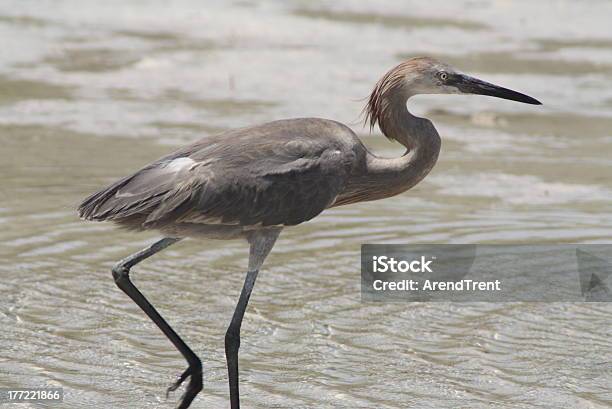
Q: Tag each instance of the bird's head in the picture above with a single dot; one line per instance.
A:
(424, 75)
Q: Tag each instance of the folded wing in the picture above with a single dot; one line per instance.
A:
(215, 183)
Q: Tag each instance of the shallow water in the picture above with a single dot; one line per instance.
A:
(91, 92)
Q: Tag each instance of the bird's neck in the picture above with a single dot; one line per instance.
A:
(391, 176)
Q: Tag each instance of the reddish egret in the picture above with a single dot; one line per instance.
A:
(252, 182)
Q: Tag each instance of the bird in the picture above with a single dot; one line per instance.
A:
(250, 183)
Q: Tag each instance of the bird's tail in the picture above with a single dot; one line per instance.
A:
(89, 208)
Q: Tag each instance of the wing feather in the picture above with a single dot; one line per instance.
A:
(259, 176)
(288, 194)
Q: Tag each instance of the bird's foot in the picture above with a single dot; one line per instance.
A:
(179, 382)
(193, 388)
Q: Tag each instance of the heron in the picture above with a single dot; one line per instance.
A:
(251, 183)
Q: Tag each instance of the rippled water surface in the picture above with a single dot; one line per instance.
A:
(90, 91)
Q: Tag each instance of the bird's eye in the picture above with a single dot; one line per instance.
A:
(443, 76)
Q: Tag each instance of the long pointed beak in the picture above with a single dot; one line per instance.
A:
(471, 85)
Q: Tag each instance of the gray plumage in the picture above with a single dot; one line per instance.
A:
(285, 172)
(280, 173)
(254, 181)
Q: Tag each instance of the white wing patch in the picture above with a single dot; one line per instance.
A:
(178, 164)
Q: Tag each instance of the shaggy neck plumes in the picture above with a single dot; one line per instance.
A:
(387, 108)
(387, 105)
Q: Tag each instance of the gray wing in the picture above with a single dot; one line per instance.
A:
(256, 181)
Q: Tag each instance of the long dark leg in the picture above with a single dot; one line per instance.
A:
(122, 279)
(261, 243)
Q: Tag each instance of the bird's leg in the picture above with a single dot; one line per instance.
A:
(122, 279)
(261, 243)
